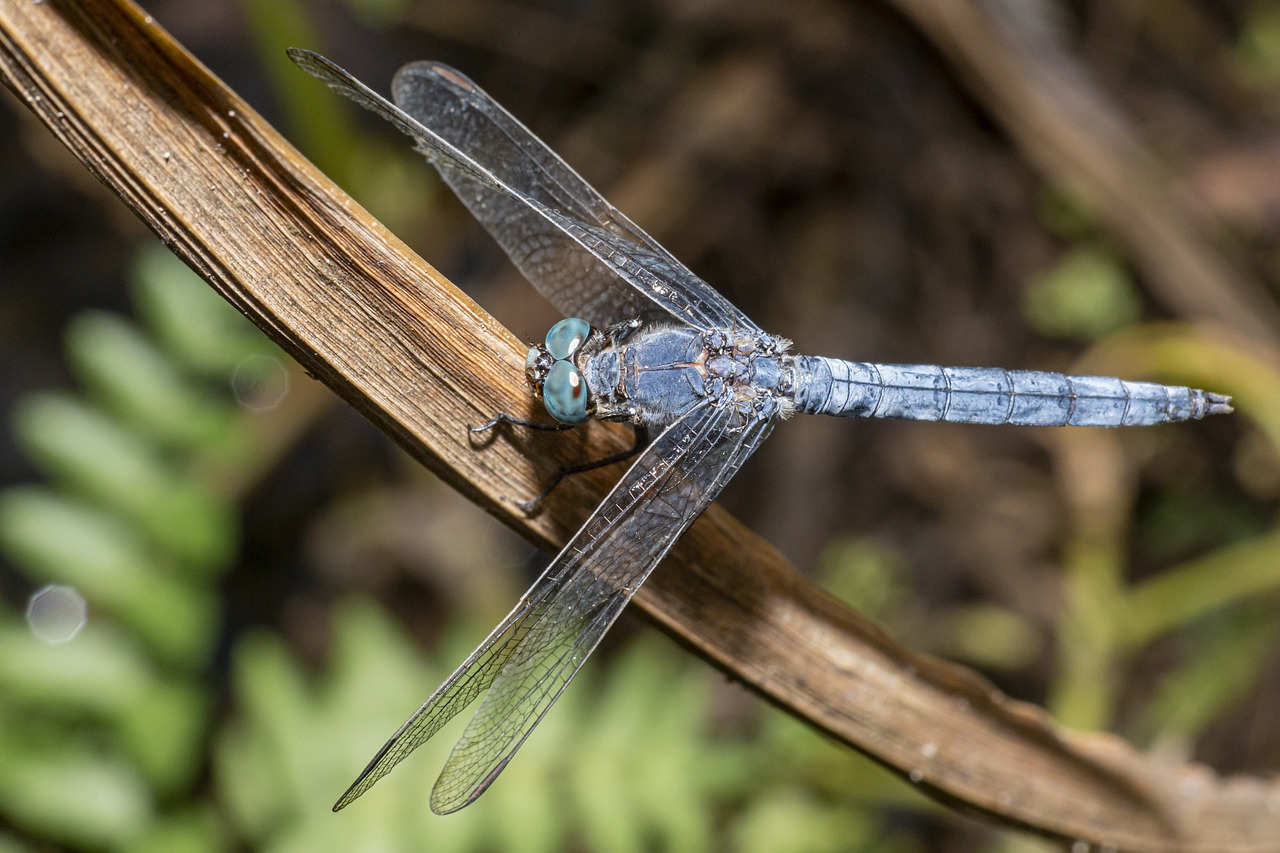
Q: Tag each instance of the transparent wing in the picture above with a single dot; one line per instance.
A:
(587, 258)
(530, 658)
(465, 116)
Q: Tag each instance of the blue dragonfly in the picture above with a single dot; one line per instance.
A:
(648, 343)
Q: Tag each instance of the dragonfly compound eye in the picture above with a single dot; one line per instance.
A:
(564, 393)
(567, 337)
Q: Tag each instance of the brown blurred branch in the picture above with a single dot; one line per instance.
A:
(1014, 59)
(396, 340)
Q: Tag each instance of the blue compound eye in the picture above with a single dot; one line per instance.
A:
(567, 337)
(564, 394)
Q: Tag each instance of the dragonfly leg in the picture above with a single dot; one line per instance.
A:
(504, 418)
(642, 440)
(619, 332)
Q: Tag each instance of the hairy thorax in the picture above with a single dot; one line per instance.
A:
(655, 375)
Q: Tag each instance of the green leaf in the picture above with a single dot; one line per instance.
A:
(72, 796)
(989, 635)
(621, 765)
(1064, 212)
(278, 785)
(1222, 666)
(1188, 592)
(56, 540)
(192, 322)
(99, 459)
(143, 388)
(99, 672)
(1258, 47)
(312, 110)
(196, 830)
(9, 844)
(865, 574)
(790, 821)
(1085, 296)
(164, 732)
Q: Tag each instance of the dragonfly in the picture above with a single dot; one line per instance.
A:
(647, 342)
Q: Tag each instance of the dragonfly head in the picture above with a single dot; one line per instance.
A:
(556, 379)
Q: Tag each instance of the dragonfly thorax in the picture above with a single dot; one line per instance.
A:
(656, 374)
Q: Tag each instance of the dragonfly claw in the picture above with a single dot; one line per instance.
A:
(528, 507)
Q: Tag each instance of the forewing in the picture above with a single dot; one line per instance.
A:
(582, 254)
(529, 658)
(459, 690)
(599, 571)
(465, 116)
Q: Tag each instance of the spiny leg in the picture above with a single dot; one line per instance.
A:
(642, 440)
(504, 418)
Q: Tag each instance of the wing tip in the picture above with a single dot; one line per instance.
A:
(348, 797)
(453, 75)
(443, 803)
(307, 59)
(447, 74)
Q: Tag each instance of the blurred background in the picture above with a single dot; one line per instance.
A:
(221, 589)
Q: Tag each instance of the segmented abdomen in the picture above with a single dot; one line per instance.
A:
(984, 395)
